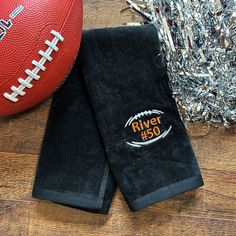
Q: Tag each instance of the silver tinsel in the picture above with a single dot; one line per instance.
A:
(198, 39)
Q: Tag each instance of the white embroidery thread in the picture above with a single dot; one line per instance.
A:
(140, 129)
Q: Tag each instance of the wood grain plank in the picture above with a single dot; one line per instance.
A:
(217, 149)
(217, 199)
(23, 133)
(38, 218)
(17, 173)
(107, 13)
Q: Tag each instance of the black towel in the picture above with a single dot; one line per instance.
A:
(127, 126)
(148, 148)
(73, 168)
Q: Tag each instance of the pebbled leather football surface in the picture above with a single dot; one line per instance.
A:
(39, 41)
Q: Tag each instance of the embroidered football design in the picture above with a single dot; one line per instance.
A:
(39, 41)
(145, 128)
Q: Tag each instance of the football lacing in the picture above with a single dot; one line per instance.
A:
(39, 66)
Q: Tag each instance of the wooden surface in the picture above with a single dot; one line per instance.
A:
(210, 210)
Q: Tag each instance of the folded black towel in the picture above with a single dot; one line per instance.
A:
(149, 151)
(73, 168)
(132, 117)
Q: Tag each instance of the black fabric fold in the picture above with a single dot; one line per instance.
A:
(73, 168)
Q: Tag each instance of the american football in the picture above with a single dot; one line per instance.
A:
(39, 42)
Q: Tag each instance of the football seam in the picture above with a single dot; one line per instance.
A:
(142, 114)
(68, 13)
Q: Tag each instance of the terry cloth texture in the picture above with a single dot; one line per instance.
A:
(73, 168)
(137, 132)
(148, 148)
